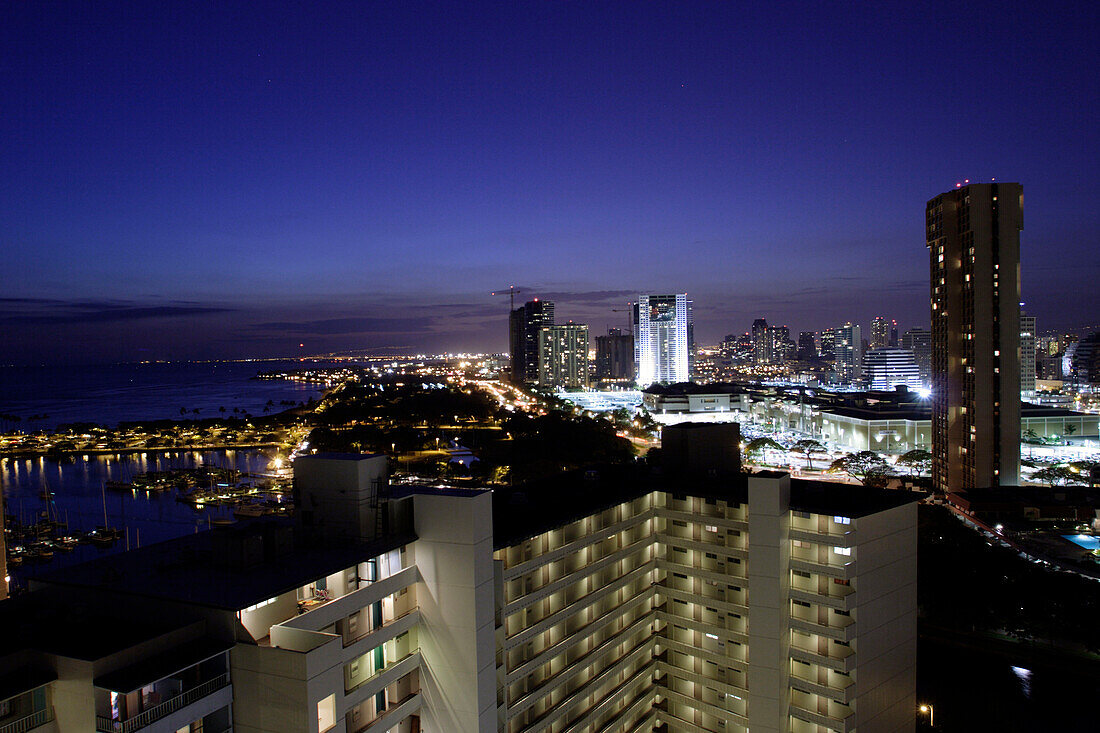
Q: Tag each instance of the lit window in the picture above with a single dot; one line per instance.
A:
(326, 713)
(842, 520)
(843, 550)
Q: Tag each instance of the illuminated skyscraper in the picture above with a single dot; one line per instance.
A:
(523, 337)
(1027, 357)
(973, 235)
(887, 367)
(563, 355)
(663, 330)
(761, 342)
(919, 341)
(880, 333)
(849, 352)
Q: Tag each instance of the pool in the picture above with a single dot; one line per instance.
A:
(1087, 541)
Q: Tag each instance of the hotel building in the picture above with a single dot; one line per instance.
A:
(617, 599)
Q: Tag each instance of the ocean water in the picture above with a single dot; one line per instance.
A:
(73, 491)
(47, 396)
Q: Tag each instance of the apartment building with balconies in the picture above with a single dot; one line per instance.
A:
(615, 599)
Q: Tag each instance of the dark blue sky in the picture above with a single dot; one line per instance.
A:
(231, 179)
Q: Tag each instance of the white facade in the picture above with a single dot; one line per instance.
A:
(1027, 357)
(749, 601)
(887, 368)
(849, 352)
(662, 339)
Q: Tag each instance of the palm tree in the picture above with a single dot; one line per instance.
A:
(807, 447)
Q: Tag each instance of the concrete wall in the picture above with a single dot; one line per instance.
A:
(769, 607)
(336, 493)
(886, 644)
(454, 554)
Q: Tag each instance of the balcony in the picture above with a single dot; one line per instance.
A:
(843, 602)
(840, 633)
(393, 715)
(841, 725)
(840, 664)
(823, 690)
(28, 722)
(146, 717)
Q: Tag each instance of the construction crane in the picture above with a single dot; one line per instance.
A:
(511, 293)
(628, 311)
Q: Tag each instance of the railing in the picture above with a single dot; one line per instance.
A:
(393, 712)
(27, 723)
(142, 719)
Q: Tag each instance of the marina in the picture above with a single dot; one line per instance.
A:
(60, 513)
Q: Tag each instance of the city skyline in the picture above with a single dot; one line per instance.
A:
(220, 185)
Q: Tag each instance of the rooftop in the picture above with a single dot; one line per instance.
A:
(227, 568)
(525, 511)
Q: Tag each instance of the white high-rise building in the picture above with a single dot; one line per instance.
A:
(1027, 357)
(693, 599)
(849, 352)
(663, 327)
(887, 368)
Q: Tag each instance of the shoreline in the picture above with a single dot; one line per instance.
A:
(16, 455)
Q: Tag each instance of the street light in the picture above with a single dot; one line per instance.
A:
(931, 714)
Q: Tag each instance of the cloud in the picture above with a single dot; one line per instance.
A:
(337, 326)
(589, 296)
(47, 311)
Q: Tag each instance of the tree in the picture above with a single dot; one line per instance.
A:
(759, 445)
(1052, 475)
(807, 447)
(867, 467)
(1088, 469)
(918, 461)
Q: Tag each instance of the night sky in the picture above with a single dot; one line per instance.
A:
(217, 179)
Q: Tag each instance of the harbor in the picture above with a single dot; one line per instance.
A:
(60, 513)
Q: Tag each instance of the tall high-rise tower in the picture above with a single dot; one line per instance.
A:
(849, 352)
(761, 342)
(523, 337)
(919, 341)
(880, 333)
(974, 251)
(563, 355)
(1027, 357)
(663, 338)
(615, 356)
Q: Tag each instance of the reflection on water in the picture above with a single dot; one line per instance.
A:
(1027, 689)
(73, 492)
